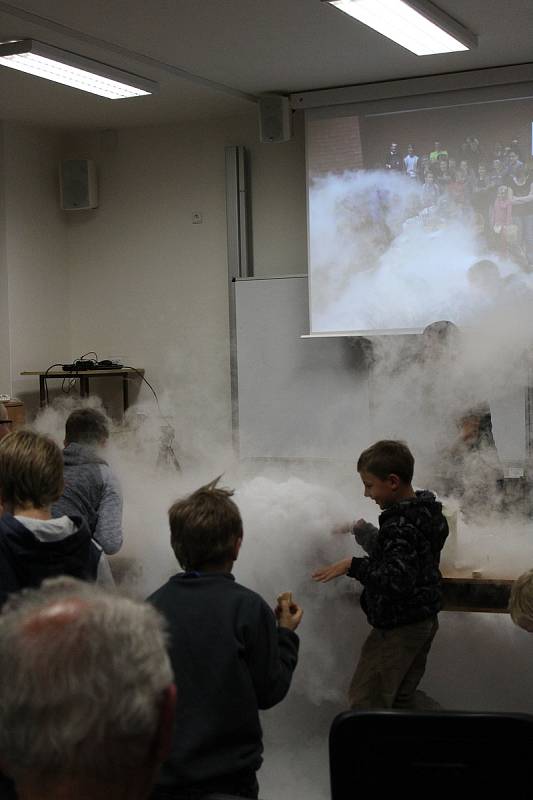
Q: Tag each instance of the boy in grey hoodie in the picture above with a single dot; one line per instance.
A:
(92, 491)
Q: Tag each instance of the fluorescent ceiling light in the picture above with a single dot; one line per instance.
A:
(417, 25)
(60, 66)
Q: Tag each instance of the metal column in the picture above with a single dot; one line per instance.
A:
(240, 262)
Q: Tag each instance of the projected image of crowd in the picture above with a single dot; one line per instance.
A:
(493, 184)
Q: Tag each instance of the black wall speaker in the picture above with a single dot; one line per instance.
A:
(78, 188)
(275, 118)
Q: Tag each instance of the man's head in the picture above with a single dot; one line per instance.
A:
(205, 528)
(437, 145)
(440, 339)
(86, 426)
(410, 149)
(31, 471)
(5, 422)
(87, 696)
(386, 469)
(521, 601)
(485, 276)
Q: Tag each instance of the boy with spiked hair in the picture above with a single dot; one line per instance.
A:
(230, 659)
(401, 580)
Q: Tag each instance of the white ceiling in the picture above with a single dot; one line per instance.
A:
(232, 50)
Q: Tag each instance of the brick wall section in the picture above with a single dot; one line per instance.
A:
(334, 145)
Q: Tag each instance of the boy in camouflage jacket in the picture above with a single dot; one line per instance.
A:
(401, 579)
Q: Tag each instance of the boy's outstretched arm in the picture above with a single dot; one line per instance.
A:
(365, 535)
(342, 527)
(325, 574)
(108, 531)
(364, 532)
(396, 571)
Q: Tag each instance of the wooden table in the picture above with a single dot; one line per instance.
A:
(84, 376)
(463, 591)
(15, 412)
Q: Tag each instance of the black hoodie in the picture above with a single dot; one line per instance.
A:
(401, 577)
(27, 558)
(230, 659)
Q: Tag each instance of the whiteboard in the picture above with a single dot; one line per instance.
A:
(297, 398)
(310, 398)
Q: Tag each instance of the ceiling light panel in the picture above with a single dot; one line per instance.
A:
(409, 27)
(70, 69)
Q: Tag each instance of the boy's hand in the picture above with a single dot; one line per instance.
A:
(326, 574)
(348, 527)
(343, 527)
(288, 613)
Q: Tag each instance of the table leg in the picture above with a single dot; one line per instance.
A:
(84, 386)
(125, 393)
(42, 391)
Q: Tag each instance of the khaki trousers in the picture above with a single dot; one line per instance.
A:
(391, 665)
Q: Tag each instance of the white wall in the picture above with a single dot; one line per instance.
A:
(5, 361)
(35, 255)
(149, 286)
(278, 202)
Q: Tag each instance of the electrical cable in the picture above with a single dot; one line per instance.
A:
(71, 381)
(46, 395)
(140, 374)
(126, 366)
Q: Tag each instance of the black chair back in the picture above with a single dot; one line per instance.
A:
(418, 753)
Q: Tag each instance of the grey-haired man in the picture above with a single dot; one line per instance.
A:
(87, 695)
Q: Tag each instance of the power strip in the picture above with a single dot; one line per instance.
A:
(88, 364)
(80, 365)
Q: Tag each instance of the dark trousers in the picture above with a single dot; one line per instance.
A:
(243, 784)
(391, 665)
(7, 789)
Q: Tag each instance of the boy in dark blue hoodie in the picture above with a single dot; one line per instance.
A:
(33, 545)
(401, 579)
(229, 656)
